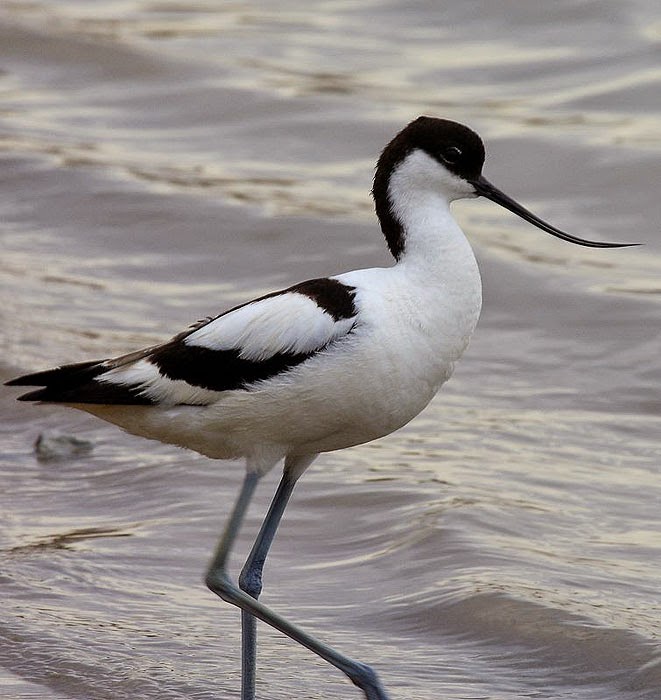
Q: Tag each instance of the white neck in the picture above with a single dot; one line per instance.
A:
(436, 255)
(420, 192)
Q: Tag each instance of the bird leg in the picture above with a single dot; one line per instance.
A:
(221, 555)
(250, 581)
(245, 595)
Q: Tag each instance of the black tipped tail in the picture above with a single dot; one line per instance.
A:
(31, 395)
(66, 375)
(60, 383)
(77, 383)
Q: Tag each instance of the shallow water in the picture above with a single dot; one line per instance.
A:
(162, 161)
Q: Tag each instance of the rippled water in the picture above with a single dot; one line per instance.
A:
(162, 161)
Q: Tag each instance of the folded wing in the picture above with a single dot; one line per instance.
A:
(239, 349)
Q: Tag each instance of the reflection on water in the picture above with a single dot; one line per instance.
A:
(164, 161)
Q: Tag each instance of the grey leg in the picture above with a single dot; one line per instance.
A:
(250, 581)
(233, 526)
(219, 582)
(220, 563)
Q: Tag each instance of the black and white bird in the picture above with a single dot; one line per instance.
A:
(323, 365)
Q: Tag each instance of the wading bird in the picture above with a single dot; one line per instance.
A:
(323, 365)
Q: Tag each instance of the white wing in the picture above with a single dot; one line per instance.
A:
(289, 323)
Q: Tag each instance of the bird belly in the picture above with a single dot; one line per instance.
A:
(353, 392)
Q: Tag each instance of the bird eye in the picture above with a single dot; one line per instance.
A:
(451, 154)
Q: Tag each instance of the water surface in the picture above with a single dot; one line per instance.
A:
(162, 161)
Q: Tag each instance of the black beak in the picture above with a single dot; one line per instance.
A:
(486, 189)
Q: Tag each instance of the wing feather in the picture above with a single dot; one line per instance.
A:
(248, 344)
(290, 323)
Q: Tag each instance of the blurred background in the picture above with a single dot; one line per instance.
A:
(162, 161)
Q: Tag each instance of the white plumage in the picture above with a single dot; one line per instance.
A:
(289, 323)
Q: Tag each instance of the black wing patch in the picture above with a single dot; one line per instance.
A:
(218, 370)
(335, 298)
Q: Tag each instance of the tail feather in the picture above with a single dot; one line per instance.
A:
(77, 373)
(76, 383)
